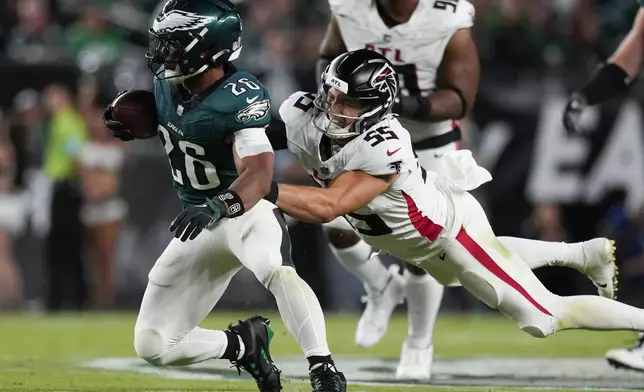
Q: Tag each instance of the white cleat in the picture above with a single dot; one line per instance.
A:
(415, 363)
(628, 358)
(374, 321)
(599, 265)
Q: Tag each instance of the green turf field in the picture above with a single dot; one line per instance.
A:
(39, 353)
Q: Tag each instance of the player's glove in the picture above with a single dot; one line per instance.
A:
(572, 113)
(115, 127)
(193, 219)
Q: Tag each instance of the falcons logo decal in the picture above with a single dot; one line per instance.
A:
(255, 111)
(383, 78)
(176, 20)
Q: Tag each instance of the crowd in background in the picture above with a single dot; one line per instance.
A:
(74, 228)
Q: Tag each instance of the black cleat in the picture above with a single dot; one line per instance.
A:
(326, 378)
(257, 361)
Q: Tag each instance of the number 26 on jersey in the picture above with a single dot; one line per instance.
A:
(202, 175)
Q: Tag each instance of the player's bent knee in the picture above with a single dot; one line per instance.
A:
(148, 344)
(533, 321)
(281, 278)
(265, 272)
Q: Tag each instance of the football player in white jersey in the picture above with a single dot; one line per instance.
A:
(611, 79)
(362, 157)
(431, 48)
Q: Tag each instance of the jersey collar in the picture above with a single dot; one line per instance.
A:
(182, 97)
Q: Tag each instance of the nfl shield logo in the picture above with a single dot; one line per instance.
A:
(386, 38)
(180, 110)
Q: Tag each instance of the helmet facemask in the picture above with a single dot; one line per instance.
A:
(169, 58)
(340, 116)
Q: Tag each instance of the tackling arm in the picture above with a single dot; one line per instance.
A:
(331, 47)
(457, 84)
(350, 191)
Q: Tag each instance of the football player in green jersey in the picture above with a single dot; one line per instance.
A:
(611, 79)
(212, 118)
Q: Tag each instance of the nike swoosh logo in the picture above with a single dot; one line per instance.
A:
(603, 286)
(251, 100)
(390, 153)
(442, 257)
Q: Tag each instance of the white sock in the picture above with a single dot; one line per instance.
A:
(597, 313)
(300, 311)
(424, 295)
(544, 253)
(369, 271)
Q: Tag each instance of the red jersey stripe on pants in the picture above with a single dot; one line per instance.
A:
(481, 256)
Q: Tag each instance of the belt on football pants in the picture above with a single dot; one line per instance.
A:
(441, 140)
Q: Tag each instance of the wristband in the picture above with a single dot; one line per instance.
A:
(232, 201)
(414, 107)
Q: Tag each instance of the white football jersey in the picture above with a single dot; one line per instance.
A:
(411, 216)
(415, 48)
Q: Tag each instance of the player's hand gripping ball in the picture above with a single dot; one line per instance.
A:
(132, 115)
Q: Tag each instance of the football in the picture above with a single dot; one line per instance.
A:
(136, 110)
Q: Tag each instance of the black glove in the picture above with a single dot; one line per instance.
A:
(116, 128)
(413, 106)
(572, 113)
(193, 219)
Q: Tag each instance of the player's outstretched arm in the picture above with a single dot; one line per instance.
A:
(611, 78)
(331, 47)
(350, 191)
(457, 84)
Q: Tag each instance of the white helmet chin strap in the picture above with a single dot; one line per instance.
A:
(324, 123)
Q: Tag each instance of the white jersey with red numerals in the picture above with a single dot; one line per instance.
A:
(415, 48)
(409, 218)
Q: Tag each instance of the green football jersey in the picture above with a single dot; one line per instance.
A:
(196, 133)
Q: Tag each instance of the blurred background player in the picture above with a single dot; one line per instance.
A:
(612, 79)
(212, 117)
(104, 210)
(431, 48)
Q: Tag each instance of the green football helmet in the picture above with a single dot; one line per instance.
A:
(190, 36)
